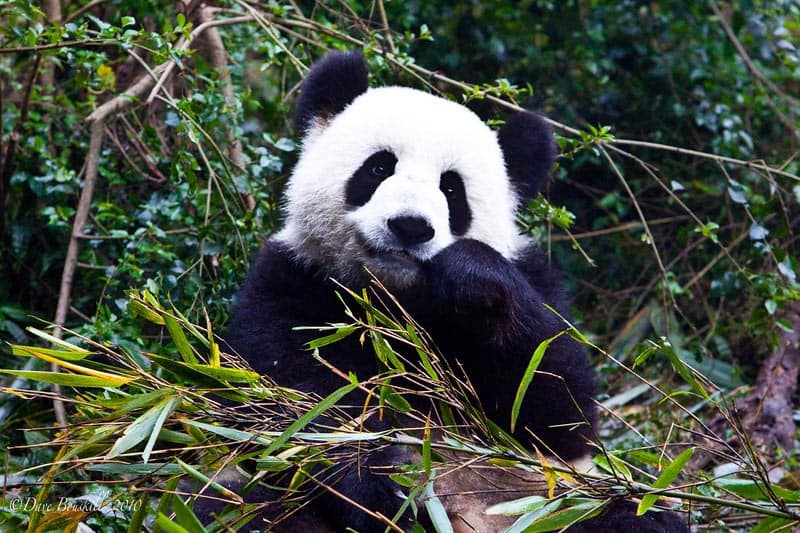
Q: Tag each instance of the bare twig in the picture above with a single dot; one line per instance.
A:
(387, 30)
(53, 46)
(627, 226)
(52, 9)
(71, 260)
(88, 7)
(141, 149)
(217, 55)
(638, 208)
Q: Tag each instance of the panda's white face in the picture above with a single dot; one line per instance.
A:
(392, 180)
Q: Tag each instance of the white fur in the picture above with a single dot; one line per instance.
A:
(429, 135)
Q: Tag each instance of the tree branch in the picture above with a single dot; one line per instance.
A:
(52, 9)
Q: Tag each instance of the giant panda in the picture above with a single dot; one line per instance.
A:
(417, 191)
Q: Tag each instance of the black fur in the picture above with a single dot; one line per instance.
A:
(481, 310)
(529, 150)
(452, 186)
(364, 181)
(620, 516)
(491, 316)
(333, 82)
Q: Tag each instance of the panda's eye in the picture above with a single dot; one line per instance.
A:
(363, 183)
(380, 164)
(379, 171)
(452, 186)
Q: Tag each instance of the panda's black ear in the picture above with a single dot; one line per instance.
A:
(529, 150)
(333, 82)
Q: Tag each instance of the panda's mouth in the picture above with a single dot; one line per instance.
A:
(396, 258)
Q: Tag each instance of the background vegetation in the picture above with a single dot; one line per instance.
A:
(144, 145)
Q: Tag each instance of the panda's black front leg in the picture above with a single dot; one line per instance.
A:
(489, 317)
(368, 486)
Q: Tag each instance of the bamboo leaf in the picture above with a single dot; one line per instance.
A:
(128, 403)
(524, 521)
(436, 511)
(55, 340)
(338, 437)
(65, 519)
(112, 379)
(100, 434)
(265, 439)
(151, 300)
(180, 340)
(27, 351)
(753, 490)
(213, 354)
(423, 356)
(684, 371)
(388, 395)
(527, 377)
(340, 333)
(193, 329)
(184, 372)
(306, 419)
(140, 429)
(235, 375)
(140, 512)
(773, 524)
(550, 475)
(136, 469)
(235, 435)
(205, 480)
(567, 517)
(667, 476)
(139, 308)
(168, 407)
(165, 502)
(177, 437)
(205, 375)
(68, 380)
(613, 465)
(519, 506)
(426, 447)
(272, 464)
(168, 525)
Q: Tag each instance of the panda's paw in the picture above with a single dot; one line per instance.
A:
(471, 277)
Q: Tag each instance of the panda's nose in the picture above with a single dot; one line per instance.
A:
(410, 230)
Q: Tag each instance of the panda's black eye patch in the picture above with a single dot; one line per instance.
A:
(452, 186)
(369, 175)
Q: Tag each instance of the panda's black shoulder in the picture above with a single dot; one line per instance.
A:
(278, 294)
(276, 277)
(537, 267)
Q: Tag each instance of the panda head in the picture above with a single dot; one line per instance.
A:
(390, 176)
